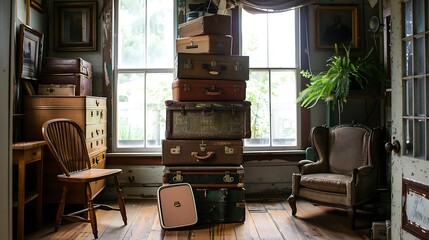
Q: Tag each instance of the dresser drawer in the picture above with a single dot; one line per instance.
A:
(98, 161)
(96, 102)
(95, 144)
(96, 115)
(96, 130)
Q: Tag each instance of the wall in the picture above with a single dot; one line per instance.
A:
(5, 122)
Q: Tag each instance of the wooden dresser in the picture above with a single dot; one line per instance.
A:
(91, 114)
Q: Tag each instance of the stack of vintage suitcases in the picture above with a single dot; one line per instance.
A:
(207, 120)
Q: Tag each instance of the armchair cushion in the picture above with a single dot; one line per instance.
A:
(327, 182)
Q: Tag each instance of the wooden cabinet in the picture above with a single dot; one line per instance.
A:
(23, 154)
(90, 113)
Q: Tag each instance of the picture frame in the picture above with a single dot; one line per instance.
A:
(415, 208)
(30, 53)
(336, 24)
(75, 26)
(39, 5)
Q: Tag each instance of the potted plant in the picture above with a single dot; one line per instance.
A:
(333, 85)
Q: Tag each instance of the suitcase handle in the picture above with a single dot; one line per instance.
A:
(213, 91)
(209, 155)
(213, 67)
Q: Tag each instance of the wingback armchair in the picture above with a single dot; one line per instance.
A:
(345, 173)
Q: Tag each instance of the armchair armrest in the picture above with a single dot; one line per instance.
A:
(363, 171)
(308, 167)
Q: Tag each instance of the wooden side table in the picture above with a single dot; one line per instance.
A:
(25, 153)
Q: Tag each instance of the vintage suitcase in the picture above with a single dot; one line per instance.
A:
(83, 82)
(214, 44)
(220, 205)
(205, 176)
(207, 120)
(211, 66)
(208, 90)
(51, 65)
(57, 89)
(176, 206)
(202, 152)
(213, 24)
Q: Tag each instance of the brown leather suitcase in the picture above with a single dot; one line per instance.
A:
(176, 206)
(208, 90)
(83, 82)
(52, 65)
(202, 152)
(214, 44)
(207, 120)
(213, 24)
(205, 176)
(212, 66)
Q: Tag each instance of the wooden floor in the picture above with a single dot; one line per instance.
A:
(270, 220)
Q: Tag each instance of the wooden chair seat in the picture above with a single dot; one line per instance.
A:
(89, 175)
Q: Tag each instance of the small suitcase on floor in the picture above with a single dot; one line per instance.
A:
(213, 44)
(202, 152)
(52, 65)
(207, 120)
(205, 176)
(211, 66)
(213, 24)
(220, 205)
(208, 90)
(83, 82)
(176, 206)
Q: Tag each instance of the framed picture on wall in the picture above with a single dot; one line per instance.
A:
(39, 5)
(30, 52)
(75, 26)
(336, 24)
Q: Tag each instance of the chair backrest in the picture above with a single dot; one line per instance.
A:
(67, 143)
(346, 147)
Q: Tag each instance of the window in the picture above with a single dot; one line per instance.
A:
(270, 42)
(145, 66)
(144, 57)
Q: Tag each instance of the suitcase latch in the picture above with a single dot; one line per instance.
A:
(187, 87)
(237, 66)
(178, 177)
(236, 88)
(177, 204)
(229, 150)
(227, 178)
(203, 147)
(187, 64)
(175, 150)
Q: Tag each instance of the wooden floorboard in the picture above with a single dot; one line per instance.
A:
(268, 220)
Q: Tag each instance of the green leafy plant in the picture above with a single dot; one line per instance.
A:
(334, 84)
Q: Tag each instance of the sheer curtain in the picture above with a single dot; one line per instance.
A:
(264, 6)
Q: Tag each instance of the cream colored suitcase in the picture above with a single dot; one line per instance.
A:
(176, 205)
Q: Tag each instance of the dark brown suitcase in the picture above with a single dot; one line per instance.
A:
(83, 82)
(211, 66)
(51, 65)
(208, 90)
(205, 176)
(176, 200)
(213, 24)
(220, 205)
(214, 44)
(207, 120)
(202, 152)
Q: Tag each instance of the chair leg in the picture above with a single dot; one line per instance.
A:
(292, 203)
(60, 211)
(351, 212)
(91, 210)
(121, 203)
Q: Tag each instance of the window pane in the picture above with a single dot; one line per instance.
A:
(258, 94)
(408, 97)
(419, 11)
(283, 108)
(420, 97)
(158, 90)
(254, 32)
(131, 34)
(130, 109)
(419, 54)
(281, 41)
(408, 18)
(420, 139)
(408, 58)
(408, 137)
(160, 32)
